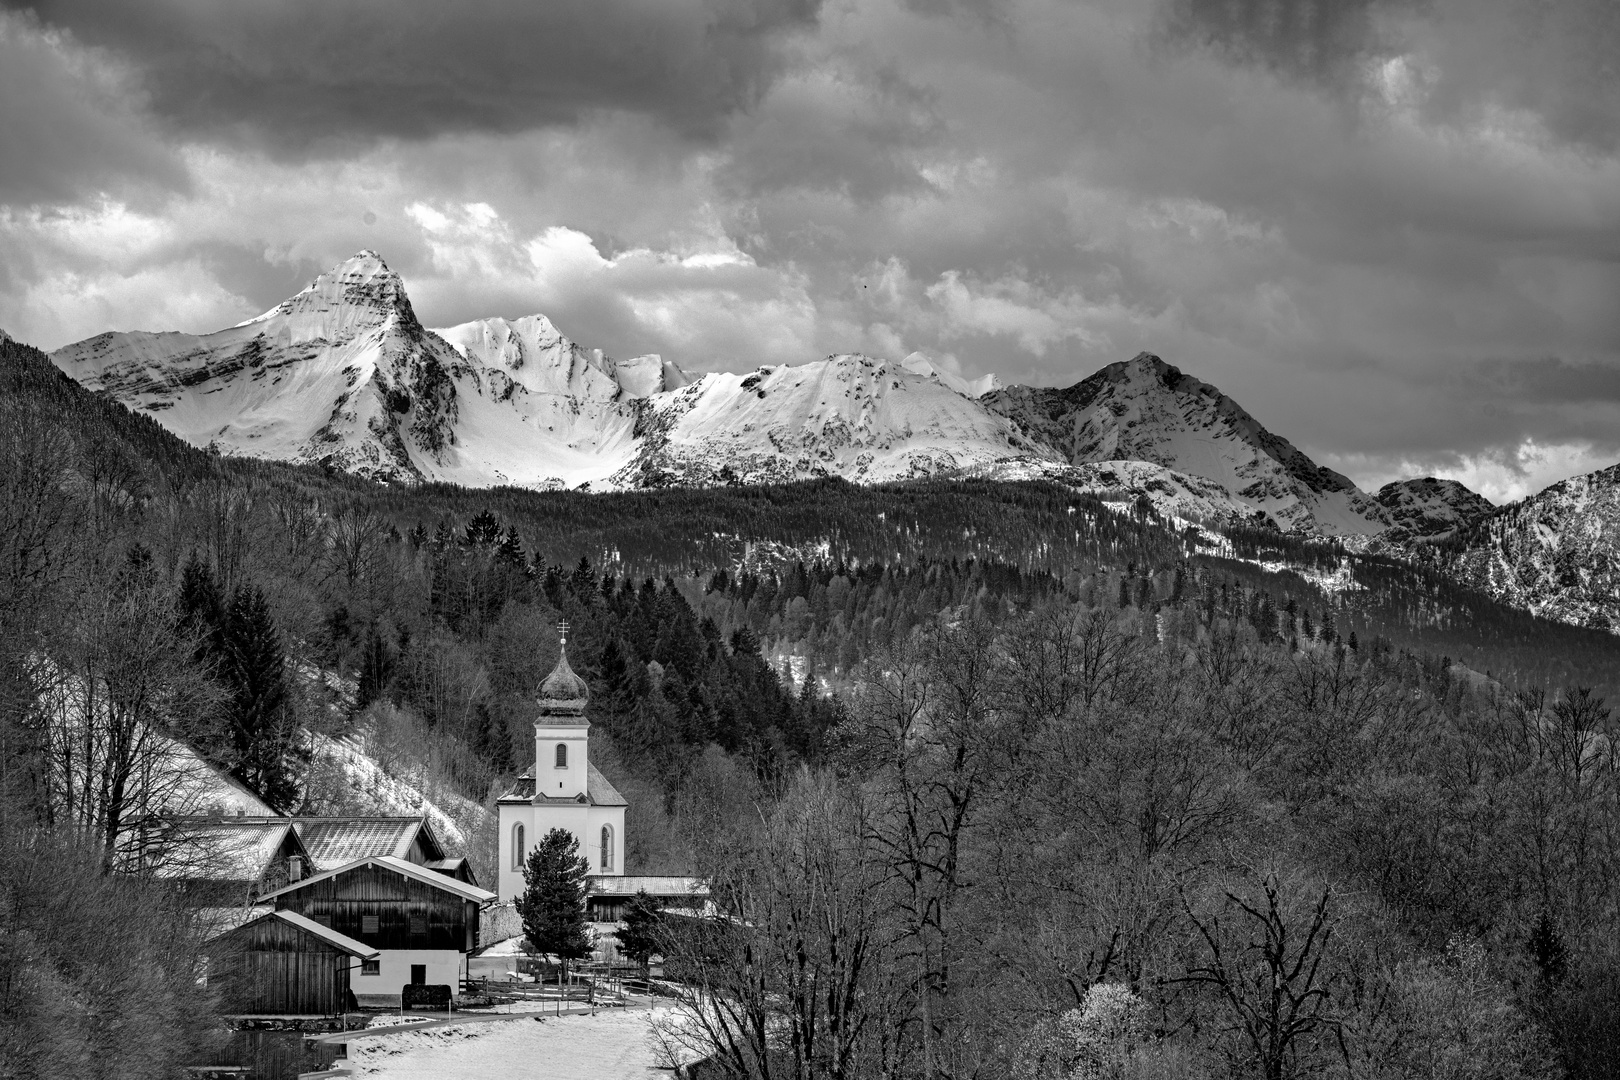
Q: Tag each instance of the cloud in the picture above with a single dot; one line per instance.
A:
(1503, 474)
(300, 76)
(707, 307)
(67, 130)
(1390, 228)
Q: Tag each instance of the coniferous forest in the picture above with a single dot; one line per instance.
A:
(988, 779)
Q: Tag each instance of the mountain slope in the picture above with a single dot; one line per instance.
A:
(854, 416)
(1431, 509)
(1556, 553)
(341, 374)
(1145, 410)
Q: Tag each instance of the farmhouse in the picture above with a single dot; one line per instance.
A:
(421, 923)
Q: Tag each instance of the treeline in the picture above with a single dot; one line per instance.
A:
(1069, 844)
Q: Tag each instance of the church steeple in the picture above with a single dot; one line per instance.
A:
(562, 733)
(563, 693)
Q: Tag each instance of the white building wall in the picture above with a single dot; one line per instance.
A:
(394, 973)
(568, 782)
(583, 821)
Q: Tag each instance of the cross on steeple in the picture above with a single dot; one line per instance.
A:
(562, 628)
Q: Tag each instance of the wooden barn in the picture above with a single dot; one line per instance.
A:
(422, 923)
(284, 964)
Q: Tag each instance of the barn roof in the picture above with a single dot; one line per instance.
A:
(228, 849)
(598, 792)
(399, 866)
(333, 841)
(341, 942)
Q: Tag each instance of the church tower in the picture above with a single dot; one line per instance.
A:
(563, 790)
(561, 734)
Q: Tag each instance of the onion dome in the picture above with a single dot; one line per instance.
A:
(562, 690)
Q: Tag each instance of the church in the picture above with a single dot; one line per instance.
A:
(564, 790)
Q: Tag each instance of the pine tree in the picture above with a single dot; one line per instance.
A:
(484, 530)
(552, 906)
(642, 932)
(510, 549)
(259, 705)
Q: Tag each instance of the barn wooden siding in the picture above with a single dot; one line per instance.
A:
(446, 920)
(270, 966)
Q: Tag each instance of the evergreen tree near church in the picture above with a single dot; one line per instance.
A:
(552, 906)
(640, 936)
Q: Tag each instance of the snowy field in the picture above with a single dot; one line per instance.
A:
(609, 1046)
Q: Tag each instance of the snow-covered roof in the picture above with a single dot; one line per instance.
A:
(399, 866)
(229, 849)
(652, 886)
(342, 942)
(598, 792)
(335, 841)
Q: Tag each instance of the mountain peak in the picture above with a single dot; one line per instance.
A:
(1144, 409)
(361, 289)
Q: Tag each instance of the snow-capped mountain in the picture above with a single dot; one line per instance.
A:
(922, 364)
(1556, 553)
(1430, 509)
(849, 415)
(344, 375)
(1144, 409)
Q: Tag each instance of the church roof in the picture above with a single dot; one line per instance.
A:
(598, 792)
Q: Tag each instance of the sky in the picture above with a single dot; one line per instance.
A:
(1390, 229)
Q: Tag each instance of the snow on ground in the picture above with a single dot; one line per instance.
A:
(608, 1046)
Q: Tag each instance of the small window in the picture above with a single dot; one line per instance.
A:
(371, 967)
(562, 755)
(418, 924)
(368, 924)
(517, 847)
(607, 847)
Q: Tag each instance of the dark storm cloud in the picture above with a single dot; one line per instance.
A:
(302, 75)
(1559, 60)
(66, 131)
(1549, 381)
(1321, 40)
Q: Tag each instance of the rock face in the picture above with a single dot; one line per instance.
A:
(1556, 553)
(1146, 410)
(1430, 508)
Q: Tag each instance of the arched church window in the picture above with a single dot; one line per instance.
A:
(517, 847)
(607, 847)
(562, 755)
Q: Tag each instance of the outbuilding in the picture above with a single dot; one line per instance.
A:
(282, 963)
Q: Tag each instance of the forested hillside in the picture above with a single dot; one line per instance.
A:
(1065, 742)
